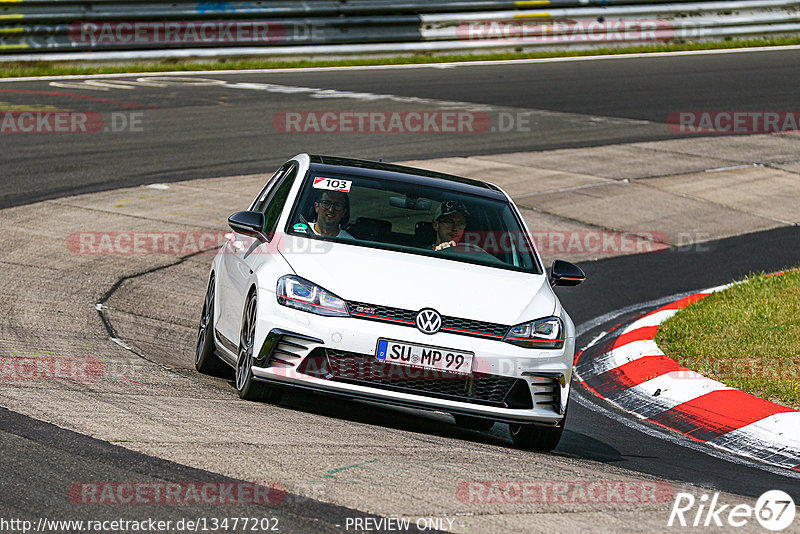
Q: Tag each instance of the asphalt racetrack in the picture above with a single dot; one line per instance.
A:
(197, 131)
(164, 129)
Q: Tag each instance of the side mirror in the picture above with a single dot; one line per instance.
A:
(564, 273)
(249, 223)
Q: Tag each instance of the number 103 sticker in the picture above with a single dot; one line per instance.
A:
(332, 184)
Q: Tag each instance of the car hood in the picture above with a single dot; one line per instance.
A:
(413, 282)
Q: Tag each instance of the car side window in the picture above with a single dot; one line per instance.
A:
(274, 205)
(261, 199)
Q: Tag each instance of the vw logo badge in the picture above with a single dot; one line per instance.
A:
(429, 321)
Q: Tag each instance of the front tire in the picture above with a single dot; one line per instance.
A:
(247, 386)
(205, 360)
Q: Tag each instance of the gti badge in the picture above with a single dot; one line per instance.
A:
(429, 321)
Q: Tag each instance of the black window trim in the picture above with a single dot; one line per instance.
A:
(268, 188)
(287, 169)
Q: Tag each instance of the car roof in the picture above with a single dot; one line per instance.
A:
(391, 171)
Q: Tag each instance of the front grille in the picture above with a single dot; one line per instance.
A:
(469, 327)
(453, 325)
(363, 369)
(373, 312)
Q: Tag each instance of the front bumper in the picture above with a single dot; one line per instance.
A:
(337, 356)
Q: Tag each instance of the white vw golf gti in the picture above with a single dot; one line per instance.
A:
(392, 284)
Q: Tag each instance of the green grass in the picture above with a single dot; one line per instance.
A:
(45, 68)
(747, 337)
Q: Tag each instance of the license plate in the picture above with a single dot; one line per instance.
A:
(424, 356)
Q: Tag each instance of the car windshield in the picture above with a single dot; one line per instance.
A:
(412, 218)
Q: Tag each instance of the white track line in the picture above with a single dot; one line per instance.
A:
(481, 63)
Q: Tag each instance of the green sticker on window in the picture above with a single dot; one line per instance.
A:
(300, 227)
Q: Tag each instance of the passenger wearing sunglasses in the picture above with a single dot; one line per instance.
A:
(449, 224)
(333, 211)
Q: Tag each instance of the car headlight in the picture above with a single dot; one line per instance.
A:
(545, 333)
(295, 292)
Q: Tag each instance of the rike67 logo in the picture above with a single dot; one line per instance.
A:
(774, 510)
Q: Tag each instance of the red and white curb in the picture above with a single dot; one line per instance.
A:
(630, 371)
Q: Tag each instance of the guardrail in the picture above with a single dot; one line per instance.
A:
(630, 24)
(64, 29)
